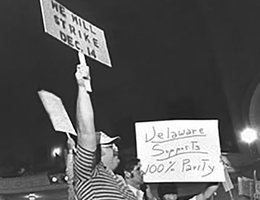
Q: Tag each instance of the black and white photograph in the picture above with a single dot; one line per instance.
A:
(130, 100)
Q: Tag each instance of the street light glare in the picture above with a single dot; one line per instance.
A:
(249, 135)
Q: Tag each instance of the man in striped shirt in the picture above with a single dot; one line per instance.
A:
(94, 163)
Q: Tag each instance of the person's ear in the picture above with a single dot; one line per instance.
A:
(102, 152)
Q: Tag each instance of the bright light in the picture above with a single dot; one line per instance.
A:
(32, 196)
(56, 152)
(249, 135)
(54, 179)
(66, 178)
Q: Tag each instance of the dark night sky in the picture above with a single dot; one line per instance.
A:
(171, 60)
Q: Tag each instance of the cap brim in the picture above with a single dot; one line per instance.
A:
(110, 140)
(104, 139)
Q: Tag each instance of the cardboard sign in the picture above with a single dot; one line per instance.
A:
(247, 187)
(74, 31)
(180, 151)
(58, 115)
(227, 184)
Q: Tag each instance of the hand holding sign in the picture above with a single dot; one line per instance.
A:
(82, 74)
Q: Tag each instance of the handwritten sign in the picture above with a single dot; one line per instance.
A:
(180, 151)
(74, 31)
(58, 115)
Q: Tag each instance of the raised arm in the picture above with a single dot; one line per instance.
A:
(84, 111)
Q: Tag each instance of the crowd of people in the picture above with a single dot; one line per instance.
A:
(91, 164)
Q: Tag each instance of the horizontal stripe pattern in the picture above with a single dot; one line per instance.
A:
(95, 182)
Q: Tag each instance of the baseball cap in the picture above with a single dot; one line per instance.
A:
(105, 139)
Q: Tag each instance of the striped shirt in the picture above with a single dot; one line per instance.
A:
(95, 182)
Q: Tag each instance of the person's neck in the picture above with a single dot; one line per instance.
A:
(107, 167)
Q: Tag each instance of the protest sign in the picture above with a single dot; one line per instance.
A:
(74, 31)
(180, 151)
(58, 115)
(248, 187)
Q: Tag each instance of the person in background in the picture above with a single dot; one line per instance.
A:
(94, 163)
(134, 178)
(168, 191)
(69, 168)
